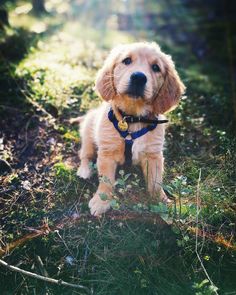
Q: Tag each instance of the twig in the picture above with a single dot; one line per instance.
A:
(68, 249)
(43, 230)
(216, 238)
(42, 270)
(41, 266)
(49, 118)
(42, 278)
(196, 234)
(11, 108)
(180, 204)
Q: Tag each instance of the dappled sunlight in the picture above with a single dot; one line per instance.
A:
(49, 59)
(55, 68)
(67, 58)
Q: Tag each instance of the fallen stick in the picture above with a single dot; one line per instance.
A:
(218, 239)
(42, 278)
(198, 202)
(43, 230)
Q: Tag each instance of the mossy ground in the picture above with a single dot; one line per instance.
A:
(48, 68)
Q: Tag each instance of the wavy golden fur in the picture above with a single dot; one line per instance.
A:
(162, 92)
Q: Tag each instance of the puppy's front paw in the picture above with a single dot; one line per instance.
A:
(84, 171)
(164, 198)
(98, 206)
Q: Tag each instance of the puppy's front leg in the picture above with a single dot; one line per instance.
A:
(152, 166)
(106, 164)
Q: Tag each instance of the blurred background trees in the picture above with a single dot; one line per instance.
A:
(205, 28)
(38, 6)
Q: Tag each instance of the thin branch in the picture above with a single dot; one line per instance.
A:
(196, 233)
(216, 238)
(42, 278)
(39, 107)
(67, 248)
(41, 266)
(43, 230)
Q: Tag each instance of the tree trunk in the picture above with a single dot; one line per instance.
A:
(3, 18)
(38, 6)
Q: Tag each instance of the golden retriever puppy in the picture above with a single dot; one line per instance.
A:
(138, 83)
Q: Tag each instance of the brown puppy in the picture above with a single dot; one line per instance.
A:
(137, 80)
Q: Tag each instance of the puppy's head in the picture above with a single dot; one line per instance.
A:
(140, 74)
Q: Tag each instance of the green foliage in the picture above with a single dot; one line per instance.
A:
(204, 288)
(62, 171)
(72, 135)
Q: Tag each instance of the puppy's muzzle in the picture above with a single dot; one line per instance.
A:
(137, 84)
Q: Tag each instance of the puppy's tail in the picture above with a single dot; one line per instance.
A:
(76, 120)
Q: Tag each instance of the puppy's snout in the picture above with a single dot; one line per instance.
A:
(137, 84)
(138, 79)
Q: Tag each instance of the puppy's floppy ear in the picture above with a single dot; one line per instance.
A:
(104, 83)
(171, 91)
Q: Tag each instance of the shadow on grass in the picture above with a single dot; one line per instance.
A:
(103, 256)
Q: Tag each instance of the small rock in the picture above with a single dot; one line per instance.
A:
(51, 141)
(26, 185)
(69, 260)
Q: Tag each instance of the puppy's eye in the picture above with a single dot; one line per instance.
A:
(156, 68)
(127, 61)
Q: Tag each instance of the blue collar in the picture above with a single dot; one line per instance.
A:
(135, 134)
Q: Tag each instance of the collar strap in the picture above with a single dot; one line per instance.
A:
(135, 134)
(142, 119)
(132, 119)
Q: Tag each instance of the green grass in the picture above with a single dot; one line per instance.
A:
(56, 68)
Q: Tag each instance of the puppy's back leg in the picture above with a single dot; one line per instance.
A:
(87, 150)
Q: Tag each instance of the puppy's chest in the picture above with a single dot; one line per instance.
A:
(151, 142)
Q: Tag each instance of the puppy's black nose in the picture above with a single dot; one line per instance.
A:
(138, 78)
